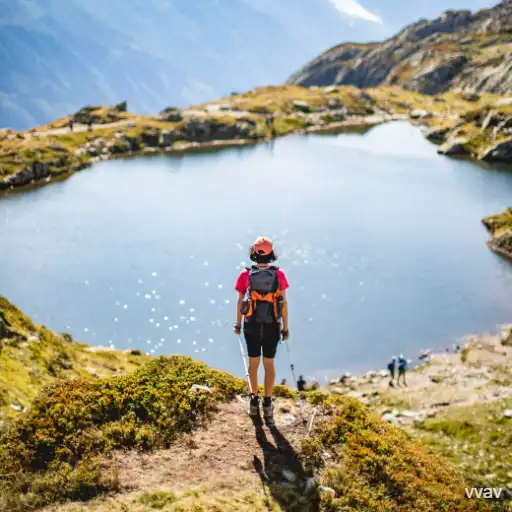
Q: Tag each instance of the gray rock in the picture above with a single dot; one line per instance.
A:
(437, 135)
(4, 332)
(92, 372)
(290, 476)
(301, 106)
(455, 147)
(330, 490)
(310, 484)
(425, 354)
(150, 138)
(58, 147)
(419, 114)
(501, 152)
(334, 103)
(470, 96)
(438, 77)
(168, 138)
(198, 387)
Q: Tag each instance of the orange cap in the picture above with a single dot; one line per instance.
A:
(262, 246)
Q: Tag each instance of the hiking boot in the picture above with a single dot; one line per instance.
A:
(268, 412)
(254, 406)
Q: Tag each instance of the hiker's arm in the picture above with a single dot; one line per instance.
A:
(238, 306)
(284, 312)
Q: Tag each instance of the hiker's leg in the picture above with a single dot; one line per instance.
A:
(270, 375)
(271, 336)
(254, 363)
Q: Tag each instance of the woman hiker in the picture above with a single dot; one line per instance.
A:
(262, 304)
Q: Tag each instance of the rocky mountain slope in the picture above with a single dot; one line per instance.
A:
(161, 436)
(459, 50)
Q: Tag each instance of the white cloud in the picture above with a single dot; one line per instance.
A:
(352, 8)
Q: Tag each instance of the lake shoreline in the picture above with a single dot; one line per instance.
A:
(353, 124)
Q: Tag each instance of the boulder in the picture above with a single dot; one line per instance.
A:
(437, 135)
(168, 138)
(150, 138)
(58, 147)
(493, 120)
(4, 332)
(419, 114)
(40, 170)
(455, 147)
(301, 106)
(470, 96)
(501, 152)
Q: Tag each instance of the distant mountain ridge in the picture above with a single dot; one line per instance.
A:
(462, 50)
(57, 55)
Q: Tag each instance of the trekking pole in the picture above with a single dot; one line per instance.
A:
(245, 364)
(299, 398)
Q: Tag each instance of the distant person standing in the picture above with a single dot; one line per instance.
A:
(392, 371)
(89, 124)
(402, 369)
(301, 383)
(70, 124)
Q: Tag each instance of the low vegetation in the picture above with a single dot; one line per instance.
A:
(500, 222)
(52, 452)
(57, 448)
(500, 226)
(475, 438)
(374, 466)
(33, 356)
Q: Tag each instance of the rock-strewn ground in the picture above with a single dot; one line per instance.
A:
(459, 401)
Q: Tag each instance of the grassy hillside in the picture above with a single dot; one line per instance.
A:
(64, 446)
(32, 356)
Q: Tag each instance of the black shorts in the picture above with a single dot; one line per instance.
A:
(262, 337)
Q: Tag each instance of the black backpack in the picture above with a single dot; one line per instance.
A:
(261, 302)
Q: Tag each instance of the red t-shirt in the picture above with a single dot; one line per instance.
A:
(242, 283)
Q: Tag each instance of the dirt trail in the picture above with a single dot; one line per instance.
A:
(80, 128)
(234, 464)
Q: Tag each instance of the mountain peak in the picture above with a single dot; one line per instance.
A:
(459, 49)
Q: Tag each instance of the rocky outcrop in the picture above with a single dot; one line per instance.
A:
(437, 135)
(460, 49)
(439, 76)
(500, 226)
(501, 152)
(35, 171)
(455, 147)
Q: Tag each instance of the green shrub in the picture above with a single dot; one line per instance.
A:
(73, 422)
(157, 500)
(374, 466)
